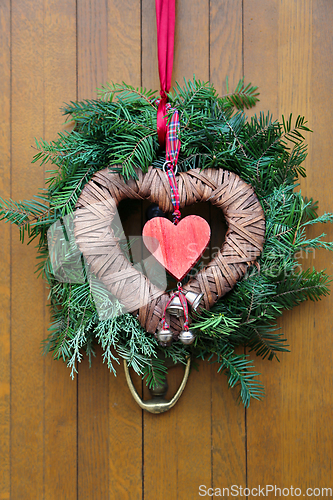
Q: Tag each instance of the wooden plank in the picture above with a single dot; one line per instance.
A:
(310, 416)
(92, 45)
(263, 437)
(93, 383)
(260, 29)
(226, 43)
(282, 450)
(193, 433)
(177, 450)
(191, 41)
(60, 421)
(125, 421)
(228, 417)
(94, 453)
(5, 257)
(109, 452)
(125, 417)
(175, 469)
(228, 434)
(27, 379)
(297, 383)
(124, 42)
(34, 421)
(260, 22)
(125, 439)
(295, 57)
(150, 78)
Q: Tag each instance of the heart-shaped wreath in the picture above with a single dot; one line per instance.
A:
(107, 157)
(96, 208)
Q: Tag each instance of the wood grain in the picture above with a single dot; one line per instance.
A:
(312, 388)
(5, 252)
(60, 413)
(191, 40)
(297, 389)
(47, 428)
(228, 458)
(260, 25)
(149, 70)
(226, 43)
(124, 42)
(228, 434)
(176, 448)
(125, 418)
(298, 412)
(125, 415)
(93, 382)
(109, 456)
(260, 66)
(28, 305)
(172, 441)
(94, 453)
(92, 46)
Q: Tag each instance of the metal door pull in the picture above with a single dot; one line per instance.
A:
(157, 404)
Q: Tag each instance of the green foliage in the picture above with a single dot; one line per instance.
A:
(239, 370)
(244, 96)
(118, 130)
(154, 372)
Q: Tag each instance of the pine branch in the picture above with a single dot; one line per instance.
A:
(239, 369)
(266, 342)
(126, 93)
(155, 373)
(299, 287)
(216, 324)
(323, 219)
(244, 96)
(293, 134)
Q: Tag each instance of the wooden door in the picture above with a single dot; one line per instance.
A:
(87, 439)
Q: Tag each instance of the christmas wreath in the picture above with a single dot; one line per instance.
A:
(114, 146)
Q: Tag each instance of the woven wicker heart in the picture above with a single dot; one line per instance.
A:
(243, 243)
(177, 248)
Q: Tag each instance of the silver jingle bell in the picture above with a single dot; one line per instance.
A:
(193, 299)
(164, 335)
(186, 337)
(175, 307)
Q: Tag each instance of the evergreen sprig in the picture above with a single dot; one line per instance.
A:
(118, 131)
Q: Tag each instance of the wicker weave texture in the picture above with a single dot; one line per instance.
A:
(95, 238)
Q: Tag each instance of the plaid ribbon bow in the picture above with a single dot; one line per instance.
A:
(172, 137)
(172, 152)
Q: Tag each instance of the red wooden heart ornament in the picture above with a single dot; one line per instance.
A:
(177, 247)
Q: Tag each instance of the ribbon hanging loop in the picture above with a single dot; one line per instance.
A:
(165, 22)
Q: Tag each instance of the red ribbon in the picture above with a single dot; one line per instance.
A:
(183, 301)
(165, 20)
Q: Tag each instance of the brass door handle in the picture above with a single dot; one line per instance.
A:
(157, 404)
